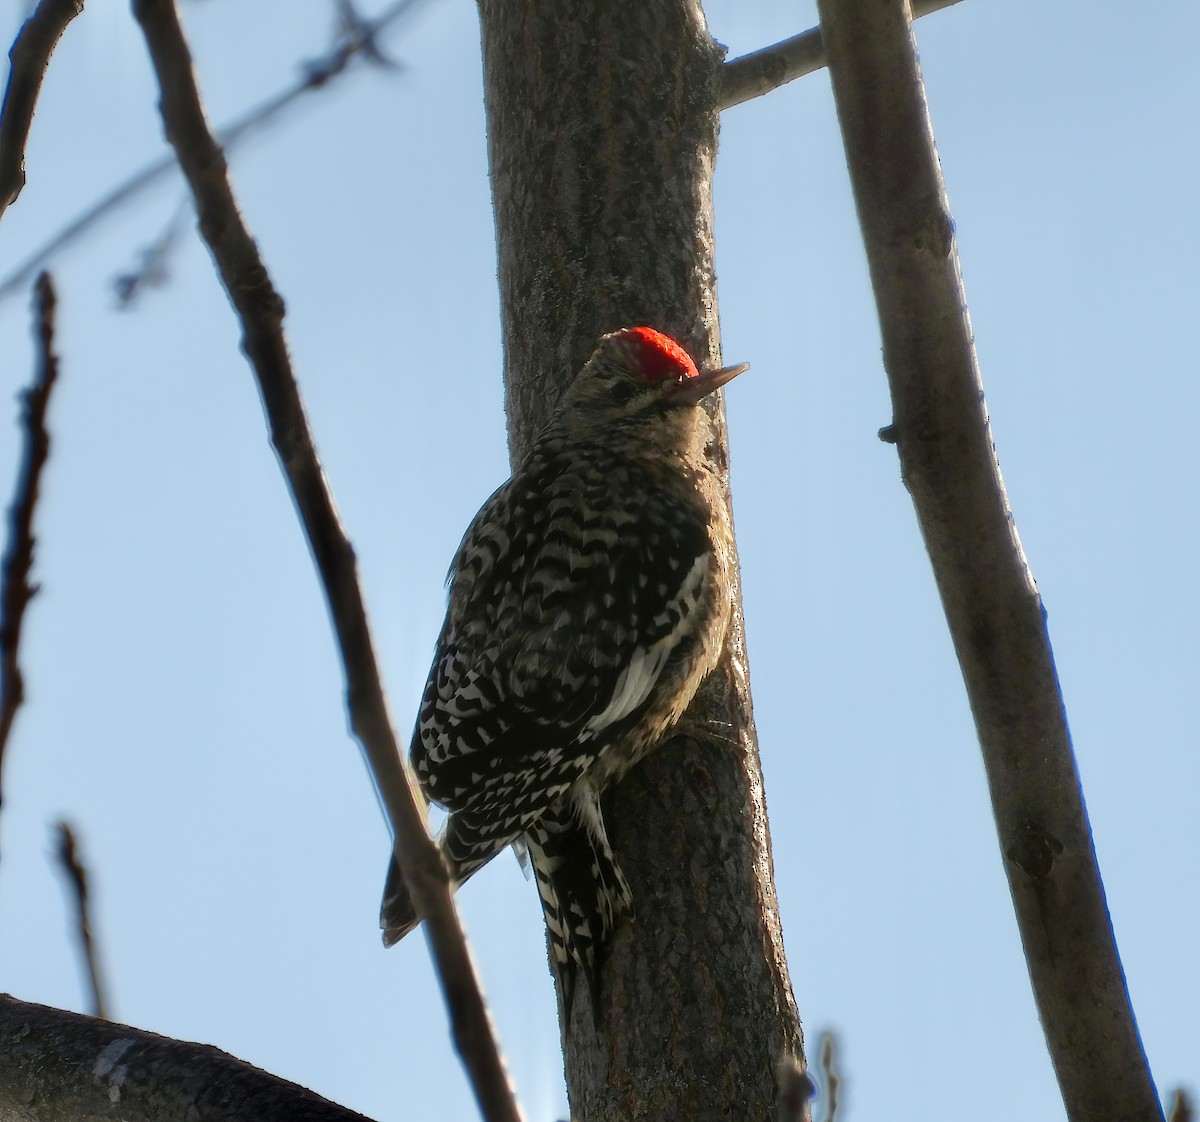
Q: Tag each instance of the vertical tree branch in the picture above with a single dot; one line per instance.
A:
(829, 1076)
(15, 588)
(992, 605)
(77, 880)
(260, 311)
(29, 57)
(602, 137)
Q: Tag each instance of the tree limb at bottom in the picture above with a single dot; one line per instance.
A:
(57, 1066)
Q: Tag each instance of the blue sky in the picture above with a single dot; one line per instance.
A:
(185, 705)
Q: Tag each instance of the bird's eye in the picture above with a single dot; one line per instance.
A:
(622, 392)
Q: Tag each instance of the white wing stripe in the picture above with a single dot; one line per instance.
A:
(638, 678)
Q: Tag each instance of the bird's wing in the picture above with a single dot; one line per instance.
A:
(559, 628)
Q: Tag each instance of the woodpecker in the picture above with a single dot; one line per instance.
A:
(588, 600)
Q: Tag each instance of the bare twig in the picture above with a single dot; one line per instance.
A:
(29, 57)
(15, 588)
(996, 617)
(829, 1073)
(57, 1066)
(109, 204)
(153, 268)
(760, 72)
(260, 311)
(360, 39)
(77, 878)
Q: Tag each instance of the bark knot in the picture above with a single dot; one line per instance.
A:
(1035, 852)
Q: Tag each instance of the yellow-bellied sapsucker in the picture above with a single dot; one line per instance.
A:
(588, 600)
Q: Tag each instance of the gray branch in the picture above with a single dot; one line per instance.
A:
(762, 71)
(57, 1066)
(260, 311)
(29, 58)
(996, 617)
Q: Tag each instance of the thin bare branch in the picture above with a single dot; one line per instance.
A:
(74, 870)
(15, 588)
(105, 206)
(995, 614)
(29, 58)
(833, 1082)
(360, 39)
(153, 261)
(760, 72)
(57, 1066)
(260, 311)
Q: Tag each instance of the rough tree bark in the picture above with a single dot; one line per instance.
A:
(602, 131)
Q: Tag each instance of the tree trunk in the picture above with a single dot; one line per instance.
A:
(602, 129)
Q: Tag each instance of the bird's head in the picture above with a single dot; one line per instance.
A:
(639, 374)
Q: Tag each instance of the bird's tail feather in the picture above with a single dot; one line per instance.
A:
(398, 914)
(583, 895)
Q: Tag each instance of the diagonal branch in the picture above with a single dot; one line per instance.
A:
(15, 588)
(260, 310)
(760, 72)
(29, 57)
(995, 614)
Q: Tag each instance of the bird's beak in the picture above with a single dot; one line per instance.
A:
(694, 390)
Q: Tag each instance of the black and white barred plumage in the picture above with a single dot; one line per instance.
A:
(588, 600)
